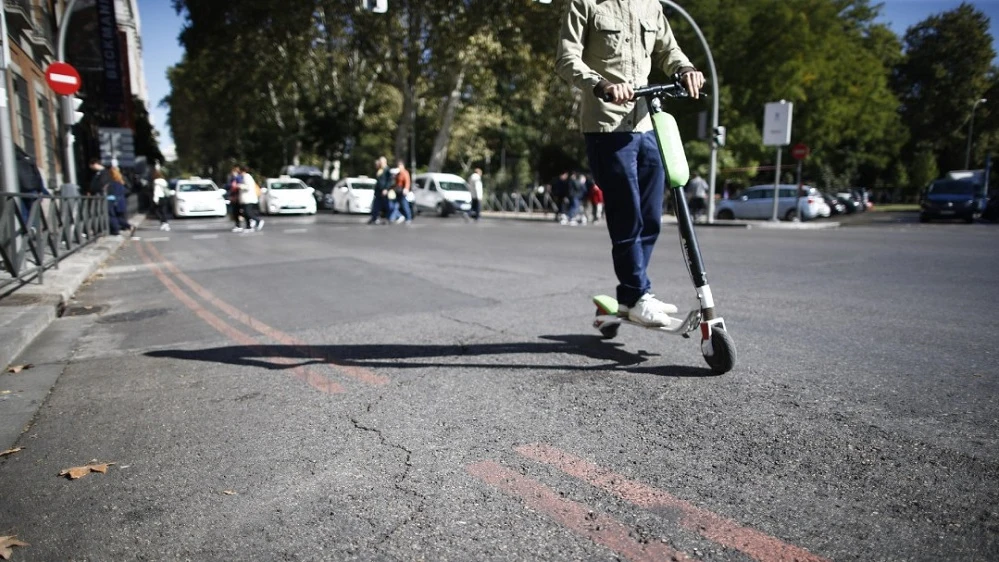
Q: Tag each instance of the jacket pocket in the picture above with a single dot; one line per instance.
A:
(606, 37)
(649, 30)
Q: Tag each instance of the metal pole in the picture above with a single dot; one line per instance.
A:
(67, 101)
(6, 132)
(776, 185)
(713, 164)
(971, 128)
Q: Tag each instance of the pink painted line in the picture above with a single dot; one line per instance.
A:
(362, 374)
(314, 380)
(600, 528)
(714, 527)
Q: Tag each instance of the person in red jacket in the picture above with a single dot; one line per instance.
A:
(596, 197)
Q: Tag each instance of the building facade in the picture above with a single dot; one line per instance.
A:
(38, 126)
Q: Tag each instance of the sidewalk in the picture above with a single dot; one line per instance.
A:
(25, 313)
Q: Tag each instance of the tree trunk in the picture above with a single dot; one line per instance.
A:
(443, 138)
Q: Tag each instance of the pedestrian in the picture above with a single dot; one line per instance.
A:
(117, 196)
(596, 197)
(100, 180)
(560, 194)
(475, 186)
(577, 191)
(606, 49)
(696, 191)
(403, 185)
(29, 183)
(161, 199)
(249, 199)
(383, 180)
(232, 185)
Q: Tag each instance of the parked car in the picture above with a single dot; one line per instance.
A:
(353, 195)
(952, 199)
(850, 202)
(442, 194)
(836, 207)
(757, 202)
(197, 197)
(286, 195)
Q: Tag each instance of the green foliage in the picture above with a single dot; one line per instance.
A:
(269, 83)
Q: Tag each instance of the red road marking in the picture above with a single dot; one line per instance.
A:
(601, 529)
(360, 373)
(724, 531)
(314, 380)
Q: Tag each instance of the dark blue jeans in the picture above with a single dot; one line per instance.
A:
(629, 170)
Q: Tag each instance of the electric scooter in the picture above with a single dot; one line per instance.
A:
(717, 345)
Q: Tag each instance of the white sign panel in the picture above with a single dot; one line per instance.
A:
(777, 123)
(117, 147)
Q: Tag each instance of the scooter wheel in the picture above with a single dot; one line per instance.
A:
(608, 331)
(723, 358)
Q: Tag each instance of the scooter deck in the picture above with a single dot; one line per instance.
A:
(607, 308)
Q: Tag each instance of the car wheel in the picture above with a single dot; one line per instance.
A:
(969, 219)
(924, 218)
(440, 210)
(726, 215)
(791, 215)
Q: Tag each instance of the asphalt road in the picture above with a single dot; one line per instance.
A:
(327, 390)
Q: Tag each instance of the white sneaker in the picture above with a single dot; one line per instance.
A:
(650, 311)
(237, 229)
(166, 226)
(259, 225)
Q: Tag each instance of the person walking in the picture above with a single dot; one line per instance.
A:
(475, 186)
(606, 49)
(161, 199)
(232, 184)
(383, 181)
(596, 197)
(403, 185)
(249, 199)
(100, 180)
(696, 191)
(117, 196)
(30, 184)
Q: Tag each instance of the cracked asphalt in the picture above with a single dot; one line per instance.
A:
(327, 390)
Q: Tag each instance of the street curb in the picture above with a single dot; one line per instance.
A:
(29, 310)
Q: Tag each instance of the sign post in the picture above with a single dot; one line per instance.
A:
(777, 133)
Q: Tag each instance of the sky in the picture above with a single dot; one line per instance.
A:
(161, 26)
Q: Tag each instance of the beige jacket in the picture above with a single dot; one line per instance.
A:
(620, 41)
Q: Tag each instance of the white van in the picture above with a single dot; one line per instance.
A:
(440, 193)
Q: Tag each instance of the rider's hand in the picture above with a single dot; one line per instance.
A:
(615, 93)
(693, 81)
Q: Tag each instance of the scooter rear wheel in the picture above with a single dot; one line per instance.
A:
(722, 360)
(607, 331)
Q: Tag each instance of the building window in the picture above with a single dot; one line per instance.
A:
(51, 152)
(27, 128)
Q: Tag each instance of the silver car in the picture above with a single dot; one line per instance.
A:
(757, 202)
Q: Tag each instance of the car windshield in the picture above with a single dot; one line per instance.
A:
(452, 186)
(288, 185)
(191, 187)
(951, 188)
(362, 184)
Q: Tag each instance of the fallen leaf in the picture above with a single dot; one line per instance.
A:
(18, 368)
(10, 451)
(81, 471)
(6, 543)
(229, 492)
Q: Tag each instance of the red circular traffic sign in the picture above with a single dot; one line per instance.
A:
(63, 78)
(799, 151)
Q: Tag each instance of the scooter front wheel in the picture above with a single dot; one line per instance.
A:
(723, 354)
(607, 331)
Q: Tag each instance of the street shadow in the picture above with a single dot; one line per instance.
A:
(610, 355)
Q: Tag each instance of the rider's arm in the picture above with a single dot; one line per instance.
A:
(667, 56)
(572, 38)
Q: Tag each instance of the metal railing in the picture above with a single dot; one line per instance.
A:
(38, 231)
(519, 203)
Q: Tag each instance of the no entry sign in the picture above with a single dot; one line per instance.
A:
(799, 151)
(63, 78)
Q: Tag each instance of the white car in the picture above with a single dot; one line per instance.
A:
(353, 195)
(440, 193)
(197, 197)
(757, 202)
(287, 195)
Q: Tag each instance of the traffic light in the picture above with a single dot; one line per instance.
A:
(71, 110)
(376, 6)
(719, 136)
